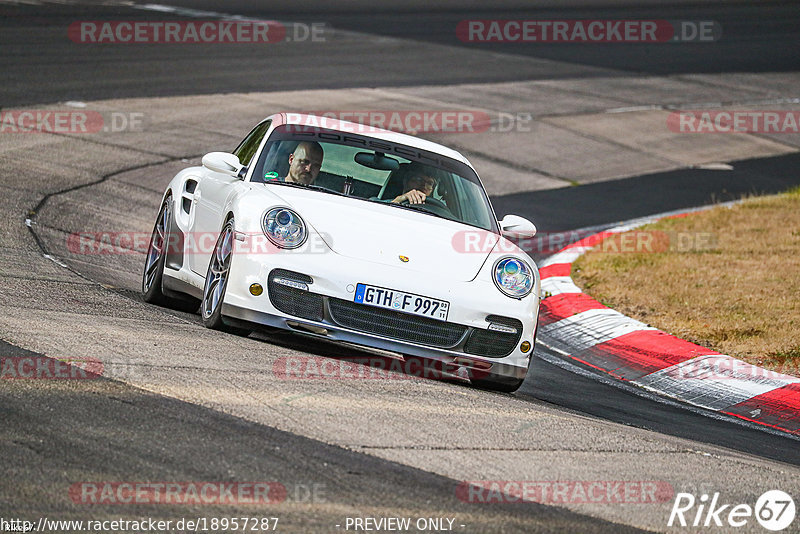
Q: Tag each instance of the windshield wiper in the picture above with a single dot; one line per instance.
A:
(306, 186)
(418, 210)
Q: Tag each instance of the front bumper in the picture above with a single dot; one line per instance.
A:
(331, 278)
(478, 366)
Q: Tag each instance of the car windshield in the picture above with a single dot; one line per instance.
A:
(380, 171)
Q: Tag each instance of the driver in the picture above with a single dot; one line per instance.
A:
(417, 186)
(305, 163)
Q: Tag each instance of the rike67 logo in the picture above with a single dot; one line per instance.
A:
(774, 510)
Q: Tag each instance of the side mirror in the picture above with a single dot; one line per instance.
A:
(514, 226)
(223, 162)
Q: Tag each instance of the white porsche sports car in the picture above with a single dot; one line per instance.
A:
(354, 234)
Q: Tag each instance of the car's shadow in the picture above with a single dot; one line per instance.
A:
(324, 359)
(327, 359)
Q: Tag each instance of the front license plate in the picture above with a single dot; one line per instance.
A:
(400, 301)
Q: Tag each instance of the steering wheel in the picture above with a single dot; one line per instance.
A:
(433, 205)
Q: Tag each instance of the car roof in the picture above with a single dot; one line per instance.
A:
(305, 119)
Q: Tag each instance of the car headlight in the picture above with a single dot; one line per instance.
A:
(284, 228)
(513, 277)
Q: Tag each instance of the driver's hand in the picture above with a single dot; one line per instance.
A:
(413, 197)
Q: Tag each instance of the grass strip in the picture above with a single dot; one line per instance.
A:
(727, 278)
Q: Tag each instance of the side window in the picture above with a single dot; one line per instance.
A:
(247, 149)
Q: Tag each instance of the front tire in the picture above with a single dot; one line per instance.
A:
(217, 282)
(153, 274)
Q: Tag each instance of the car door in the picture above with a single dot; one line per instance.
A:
(211, 197)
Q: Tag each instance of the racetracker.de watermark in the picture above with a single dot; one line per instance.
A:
(633, 242)
(175, 32)
(726, 368)
(413, 121)
(406, 121)
(44, 368)
(183, 493)
(587, 31)
(565, 491)
(190, 243)
(734, 121)
(32, 121)
(133, 32)
(370, 368)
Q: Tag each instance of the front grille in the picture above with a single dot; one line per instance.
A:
(494, 344)
(395, 325)
(294, 301)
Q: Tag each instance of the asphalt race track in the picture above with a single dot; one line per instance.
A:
(174, 402)
(757, 38)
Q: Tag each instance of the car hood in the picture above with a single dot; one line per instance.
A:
(382, 234)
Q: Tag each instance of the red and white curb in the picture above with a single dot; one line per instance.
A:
(582, 329)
